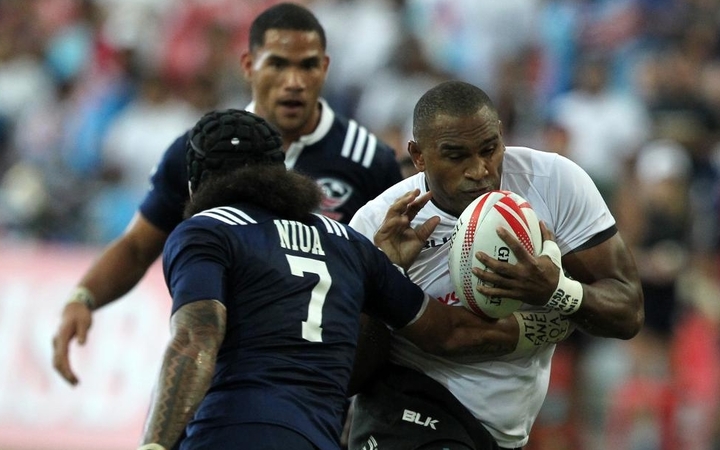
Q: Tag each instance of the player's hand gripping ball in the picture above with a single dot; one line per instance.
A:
(475, 231)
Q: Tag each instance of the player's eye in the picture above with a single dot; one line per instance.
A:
(277, 63)
(488, 151)
(310, 64)
(455, 156)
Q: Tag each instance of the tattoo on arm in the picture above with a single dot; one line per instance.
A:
(198, 330)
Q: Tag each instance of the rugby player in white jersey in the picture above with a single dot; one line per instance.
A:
(459, 152)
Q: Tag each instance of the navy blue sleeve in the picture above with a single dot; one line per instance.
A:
(165, 200)
(195, 262)
(391, 296)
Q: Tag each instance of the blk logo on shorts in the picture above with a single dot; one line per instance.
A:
(416, 418)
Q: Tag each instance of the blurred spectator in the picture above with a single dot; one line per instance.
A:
(133, 144)
(362, 37)
(658, 225)
(604, 126)
(200, 36)
(469, 39)
(386, 104)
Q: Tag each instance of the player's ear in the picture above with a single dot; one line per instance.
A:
(246, 63)
(416, 155)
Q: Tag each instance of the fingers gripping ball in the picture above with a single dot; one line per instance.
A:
(475, 231)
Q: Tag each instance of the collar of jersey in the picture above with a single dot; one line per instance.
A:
(327, 116)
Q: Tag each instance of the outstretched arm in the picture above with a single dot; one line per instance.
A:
(119, 268)
(455, 331)
(198, 330)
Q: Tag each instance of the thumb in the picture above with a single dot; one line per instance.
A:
(82, 331)
(425, 230)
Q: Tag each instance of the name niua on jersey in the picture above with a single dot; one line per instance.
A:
(299, 237)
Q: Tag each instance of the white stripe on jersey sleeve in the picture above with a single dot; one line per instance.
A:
(333, 227)
(240, 213)
(214, 215)
(228, 215)
(359, 144)
(370, 152)
(349, 138)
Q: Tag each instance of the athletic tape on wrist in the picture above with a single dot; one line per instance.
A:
(152, 446)
(83, 295)
(538, 328)
(568, 294)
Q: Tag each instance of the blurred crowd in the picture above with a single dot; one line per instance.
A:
(93, 91)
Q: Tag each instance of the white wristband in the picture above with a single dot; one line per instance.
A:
(568, 294)
(152, 446)
(83, 295)
(538, 328)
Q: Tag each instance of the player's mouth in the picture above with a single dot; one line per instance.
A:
(476, 192)
(291, 106)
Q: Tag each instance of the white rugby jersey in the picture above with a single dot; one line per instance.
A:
(505, 394)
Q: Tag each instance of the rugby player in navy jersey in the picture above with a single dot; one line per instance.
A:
(285, 66)
(267, 297)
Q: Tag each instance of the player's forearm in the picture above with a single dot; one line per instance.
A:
(603, 295)
(198, 330)
(184, 380)
(120, 267)
(454, 331)
(481, 338)
(611, 308)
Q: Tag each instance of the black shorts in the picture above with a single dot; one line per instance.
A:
(256, 436)
(405, 410)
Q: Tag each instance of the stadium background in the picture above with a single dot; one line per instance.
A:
(92, 92)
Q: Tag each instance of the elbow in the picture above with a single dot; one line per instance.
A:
(633, 326)
(635, 319)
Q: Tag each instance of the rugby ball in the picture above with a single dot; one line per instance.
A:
(475, 231)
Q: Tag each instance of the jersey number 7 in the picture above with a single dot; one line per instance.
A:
(299, 266)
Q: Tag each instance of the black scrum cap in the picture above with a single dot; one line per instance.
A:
(225, 140)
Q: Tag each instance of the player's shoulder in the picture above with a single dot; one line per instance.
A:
(233, 215)
(539, 163)
(354, 141)
(332, 227)
(177, 149)
(369, 216)
(397, 190)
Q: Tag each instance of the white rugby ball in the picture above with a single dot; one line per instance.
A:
(475, 231)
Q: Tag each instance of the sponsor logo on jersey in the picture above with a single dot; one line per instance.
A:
(430, 243)
(416, 418)
(335, 194)
(449, 299)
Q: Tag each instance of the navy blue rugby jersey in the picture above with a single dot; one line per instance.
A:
(293, 293)
(351, 165)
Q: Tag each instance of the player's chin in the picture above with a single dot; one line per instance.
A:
(463, 199)
(291, 122)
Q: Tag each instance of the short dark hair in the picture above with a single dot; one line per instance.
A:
(284, 16)
(455, 98)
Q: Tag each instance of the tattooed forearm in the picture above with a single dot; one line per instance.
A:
(198, 330)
